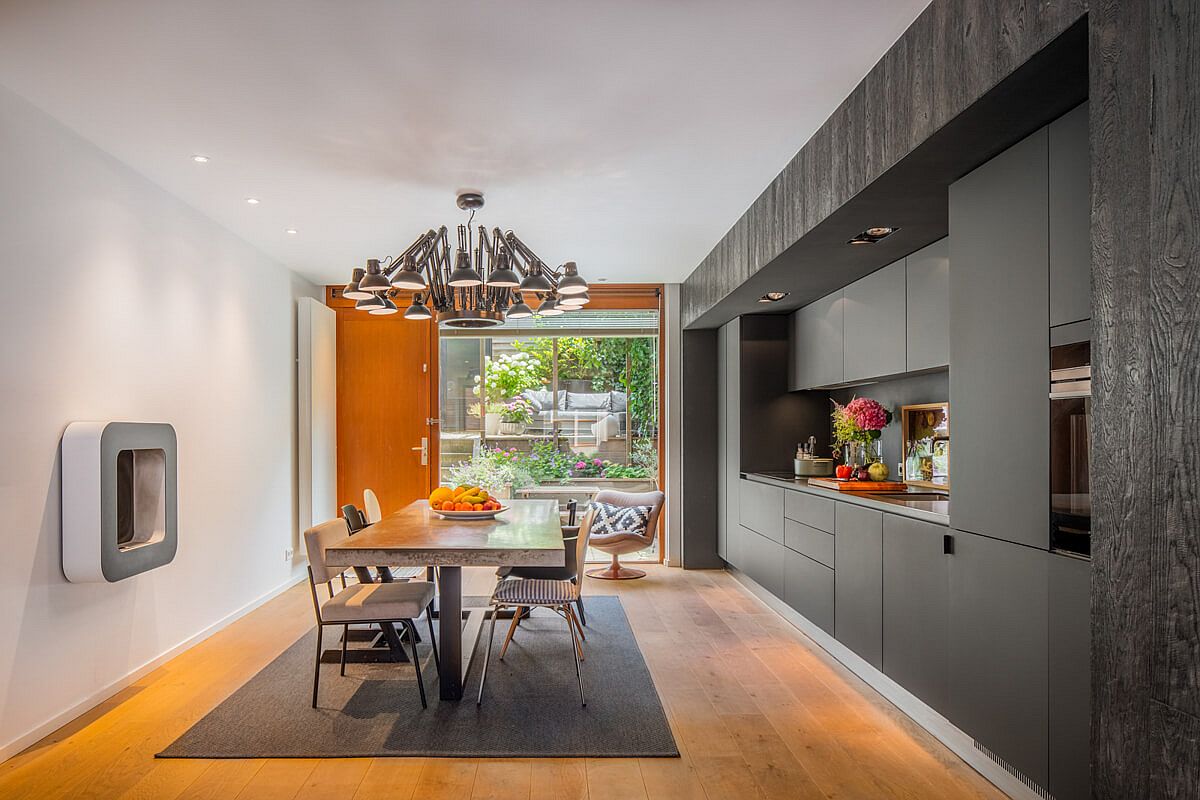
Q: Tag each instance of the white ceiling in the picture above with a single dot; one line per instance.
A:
(626, 135)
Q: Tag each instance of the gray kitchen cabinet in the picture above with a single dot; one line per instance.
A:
(816, 512)
(916, 608)
(873, 318)
(1070, 207)
(999, 346)
(761, 509)
(858, 603)
(1070, 676)
(927, 293)
(817, 545)
(816, 344)
(809, 588)
(728, 441)
(764, 561)
(999, 659)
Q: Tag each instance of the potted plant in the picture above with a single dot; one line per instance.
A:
(514, 417)
(497, 470)
(857, 427)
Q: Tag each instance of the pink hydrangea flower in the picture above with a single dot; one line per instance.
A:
(580, 465)
(597, 462)
(867, 414)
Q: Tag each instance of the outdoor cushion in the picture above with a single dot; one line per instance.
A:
(577, 401)
(618, 401)
(540, 399)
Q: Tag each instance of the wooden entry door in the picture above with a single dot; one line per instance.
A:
(384, 376)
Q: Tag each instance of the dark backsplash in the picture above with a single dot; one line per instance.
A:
(933, 387)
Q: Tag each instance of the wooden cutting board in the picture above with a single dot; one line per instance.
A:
(848, 485)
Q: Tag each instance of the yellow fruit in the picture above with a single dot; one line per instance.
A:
(440, 495)
(460, 491)
(483, 493)
(470, 499)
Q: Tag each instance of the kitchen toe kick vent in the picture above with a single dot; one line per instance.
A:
(1016, 773)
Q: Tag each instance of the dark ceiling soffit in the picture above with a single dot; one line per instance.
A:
(913, 194)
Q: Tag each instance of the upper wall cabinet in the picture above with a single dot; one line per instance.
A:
(873, 319)
(1070, 219)
(999, 346)
(816, 344)
(927, 331)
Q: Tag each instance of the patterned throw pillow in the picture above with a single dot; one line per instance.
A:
(620, 519)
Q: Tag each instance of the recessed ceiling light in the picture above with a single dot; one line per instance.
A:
(291, 231)
(601, 280)
(199, 159)
(773, 297)
(252, 201)
(873, 235)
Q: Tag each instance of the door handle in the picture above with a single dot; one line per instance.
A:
(947, 544)
(424, 448)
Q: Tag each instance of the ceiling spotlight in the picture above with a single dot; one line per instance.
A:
(252, 201)
(199, 159)
(291, 231)
(873, 235)
(773, 297)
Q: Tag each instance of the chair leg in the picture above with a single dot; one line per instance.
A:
(571, 615)
(616, 572)
(488, 655)
(573, 624)
(575, 655)
(582, 616)
(412, 641)
(437, 662)
(317, 667)
(345, 637)
(512, 628)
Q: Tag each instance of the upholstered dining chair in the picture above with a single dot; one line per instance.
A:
(568, 572)
(363, 603)
(373, 513)
(527, 593)
(627, 532)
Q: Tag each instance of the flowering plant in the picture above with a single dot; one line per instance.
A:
(506, 376)
(518, 410)
(493, 469)
(860, 420)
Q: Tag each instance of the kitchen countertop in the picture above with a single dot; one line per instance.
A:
(935, 511)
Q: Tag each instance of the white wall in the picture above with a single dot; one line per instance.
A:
(120, 302)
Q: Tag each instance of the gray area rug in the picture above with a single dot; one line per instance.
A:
(530, 705)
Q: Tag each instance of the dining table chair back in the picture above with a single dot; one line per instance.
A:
(371, 507)
(316, 540)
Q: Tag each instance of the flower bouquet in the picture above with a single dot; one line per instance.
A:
(857, 427)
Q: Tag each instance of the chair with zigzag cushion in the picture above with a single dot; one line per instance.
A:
(626, 522)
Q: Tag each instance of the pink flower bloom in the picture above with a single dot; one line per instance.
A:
(867, 413)
(597, 462)
(580, 465)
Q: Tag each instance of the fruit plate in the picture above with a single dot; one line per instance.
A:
(468, 514)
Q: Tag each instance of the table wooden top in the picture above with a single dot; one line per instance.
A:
(528, 534)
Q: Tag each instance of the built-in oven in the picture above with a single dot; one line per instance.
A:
(1070, 441)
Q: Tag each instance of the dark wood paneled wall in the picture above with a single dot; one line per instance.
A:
(1145, 122)
(951, 56)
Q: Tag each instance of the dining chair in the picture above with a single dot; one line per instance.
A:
(373, 513)
(632, 527)
(527, 593)
(568, 572)
(363, 603)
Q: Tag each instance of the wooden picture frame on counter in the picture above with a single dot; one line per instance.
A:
(921, 423)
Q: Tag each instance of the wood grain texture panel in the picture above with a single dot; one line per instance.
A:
(1146, 354)
(952, 55)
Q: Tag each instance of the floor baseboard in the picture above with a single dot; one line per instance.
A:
(39, 732)
(937, 725)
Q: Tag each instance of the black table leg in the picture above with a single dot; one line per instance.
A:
(450, 632)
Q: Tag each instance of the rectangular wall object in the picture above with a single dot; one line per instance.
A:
(317, 399)
(119, 499)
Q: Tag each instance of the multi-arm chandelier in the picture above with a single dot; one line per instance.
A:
(489, 280)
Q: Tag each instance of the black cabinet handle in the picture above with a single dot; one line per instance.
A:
(947, 544)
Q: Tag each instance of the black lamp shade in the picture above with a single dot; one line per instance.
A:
(549, 308)
(408, 277)
(536, 282)
(388, 307)
(417, 310)
(366, 304)
(464, 274)
(374, 280)
(571, 282)
(352, 290)
(519, 311)
(575, 300)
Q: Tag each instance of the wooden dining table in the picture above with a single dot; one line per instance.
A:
(527, 533)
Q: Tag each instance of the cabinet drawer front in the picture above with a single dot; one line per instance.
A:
(760, 508)
(763, 561)
(815, 512)
(809, 588)
(806, 540)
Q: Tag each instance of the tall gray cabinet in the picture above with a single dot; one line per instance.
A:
(999, 346)
(873, 316)
(858, 603)
(729, 538)
(1070, 219)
